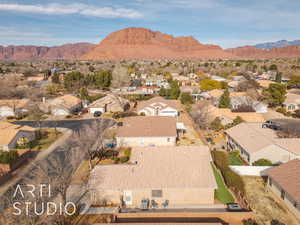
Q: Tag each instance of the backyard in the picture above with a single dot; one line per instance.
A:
(265, 205)
(221, 193)
(235, 159)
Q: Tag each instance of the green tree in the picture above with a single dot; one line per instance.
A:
(162, 92)
(207, 85)
(186, 98)
(278, 77)
(103, 78)
(262, 162)
(73, 80)
(224, 101)
(275, 94)
(273, 67)
(175, 90)
(84, 93)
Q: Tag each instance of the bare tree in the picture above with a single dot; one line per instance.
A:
(201, 114)
(90, 140)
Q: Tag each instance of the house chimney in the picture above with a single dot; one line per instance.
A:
(44, 100)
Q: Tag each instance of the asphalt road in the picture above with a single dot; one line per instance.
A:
(69, 124)
(293, 124)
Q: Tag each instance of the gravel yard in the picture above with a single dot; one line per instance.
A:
(266, 206)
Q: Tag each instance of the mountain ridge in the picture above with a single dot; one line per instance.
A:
(143, 43)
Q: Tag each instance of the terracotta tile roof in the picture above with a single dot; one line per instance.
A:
(287, 176)
(8, 131)
(161, 101)
(158, 167)
(150, 126)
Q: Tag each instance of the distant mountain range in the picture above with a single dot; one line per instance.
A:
(277, 44)
(142, 43)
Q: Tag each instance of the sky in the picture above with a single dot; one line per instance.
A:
(228, 23)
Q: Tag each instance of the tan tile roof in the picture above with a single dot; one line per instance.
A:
(158, 167)
(8, 131)
(68, 99)
(237, 94)
(251, 117)
(161, 101)
(150, 126)
(287, 176)
(265, 83)
(292, 98)
(252, 137)
(14, 103)
(110, 99)
(216, 93)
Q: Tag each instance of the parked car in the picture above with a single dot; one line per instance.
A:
(271, 124)
(234, 207)
(97, 114)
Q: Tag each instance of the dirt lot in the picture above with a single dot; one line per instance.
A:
(266, 206)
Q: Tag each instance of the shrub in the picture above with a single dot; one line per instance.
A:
(262, 162)
(232, 179)
(118, 115)
(127, 151)
(249, 222)
(124, 159)
(216, 124)
(8, 157)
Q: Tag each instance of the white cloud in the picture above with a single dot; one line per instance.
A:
(82, 9)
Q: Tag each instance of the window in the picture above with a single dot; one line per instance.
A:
(168, 139)
(282, 194)
(156, 194)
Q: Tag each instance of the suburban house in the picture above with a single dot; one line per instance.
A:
(147, 131)
(284, 181)
(109, 103)
(11, 135)
(156, 177)
(13, 107)
(62, 106)
(255, 142)
(227, 116)
(292, 102)
(158, 106)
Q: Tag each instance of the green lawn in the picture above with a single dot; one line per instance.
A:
(221, 194)
(234, 159)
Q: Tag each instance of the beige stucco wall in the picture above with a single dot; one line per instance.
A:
(288, 200)
(176, 196)
(146, 141)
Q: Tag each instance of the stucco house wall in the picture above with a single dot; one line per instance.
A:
(146, 141)
(288, 200)
(176, 196)
(274, 153)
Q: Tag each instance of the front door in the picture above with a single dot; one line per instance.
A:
(127, 197)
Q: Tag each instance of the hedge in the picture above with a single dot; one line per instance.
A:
(232, 179)
(8, 157)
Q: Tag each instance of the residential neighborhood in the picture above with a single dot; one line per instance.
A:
(173, 145)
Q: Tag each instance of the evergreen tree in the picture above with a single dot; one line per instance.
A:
(278, 77)
(224, 101)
